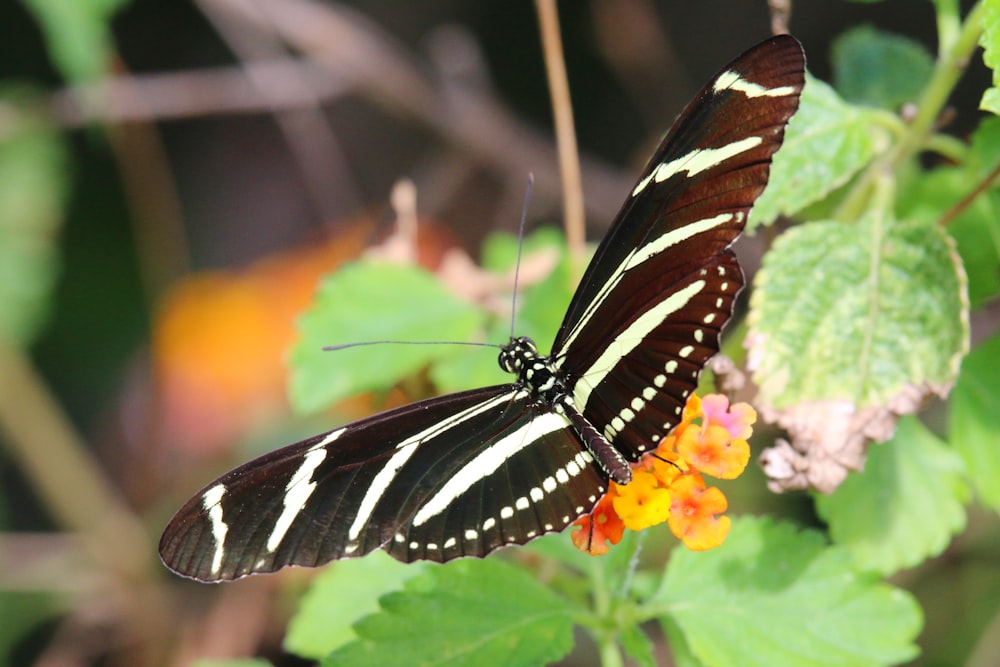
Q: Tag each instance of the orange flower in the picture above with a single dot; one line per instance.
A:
(599, 527)
(718, 447)
(220, 339)
(693, 513)
(667, 484)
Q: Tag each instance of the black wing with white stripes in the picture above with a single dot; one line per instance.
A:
(662, 282)
(460, 475)
(465, 474)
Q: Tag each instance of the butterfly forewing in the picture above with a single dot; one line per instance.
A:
(653, 300)
(465, 474)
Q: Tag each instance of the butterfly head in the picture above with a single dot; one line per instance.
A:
(517, 354)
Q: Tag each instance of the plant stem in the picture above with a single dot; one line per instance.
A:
(956, 46)
(948, 69)
(569, 154)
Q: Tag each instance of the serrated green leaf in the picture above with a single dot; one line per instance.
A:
(78, 34)
(33, 191)
(991, 100)
(560, 548)
(878, 68)
(370, 301)
(906, 504)
(857, 312)
(343, 593)
(469, 612)
(990, 41)
(773, 595)
(544, 302)
(974, 422)
(827, 142)
(984, 147)
(680, 651)
(976, 229)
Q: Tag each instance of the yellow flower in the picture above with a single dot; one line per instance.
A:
(643, 502)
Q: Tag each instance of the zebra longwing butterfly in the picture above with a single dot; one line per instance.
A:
(468, 473)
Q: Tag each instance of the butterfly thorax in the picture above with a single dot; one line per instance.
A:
(536, 373)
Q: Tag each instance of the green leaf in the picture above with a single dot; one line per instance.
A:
(638, 646)
(990, 41)
(541, 308)
(976, 229)
(469, 612)
(906, 504)
(559, 547)
(343, 593)
(468, 366)
(33, 192)
(775, 596)
(542, 302)
(499, 251)
(78, 34)
(827, 142)
(370, 301)
(879, 68)
(974, 422)
(857, 312)
(21, 613)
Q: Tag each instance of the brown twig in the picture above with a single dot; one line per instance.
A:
(966, 201)
(562, 111)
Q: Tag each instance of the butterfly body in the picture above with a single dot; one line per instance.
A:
(467, 473)
(543, 379)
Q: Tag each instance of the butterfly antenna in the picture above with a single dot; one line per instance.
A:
(344, 346)
(520, 249)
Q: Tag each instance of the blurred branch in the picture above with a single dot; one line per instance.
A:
(346, 54)
(71, 483)
(207, 92)
(321, 162)
(361, 53)
(151, 194)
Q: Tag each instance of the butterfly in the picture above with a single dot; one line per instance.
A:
(467, 473)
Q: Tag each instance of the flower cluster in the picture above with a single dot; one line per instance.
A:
(667, 484)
